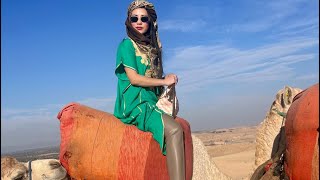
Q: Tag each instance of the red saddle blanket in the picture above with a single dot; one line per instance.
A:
(96, 145)
(302, 135)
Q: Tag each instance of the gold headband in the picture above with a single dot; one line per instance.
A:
(139, 4)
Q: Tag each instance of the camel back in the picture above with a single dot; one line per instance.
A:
(302, 131)
(96, 145)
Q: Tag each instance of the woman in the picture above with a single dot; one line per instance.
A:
(139, 72)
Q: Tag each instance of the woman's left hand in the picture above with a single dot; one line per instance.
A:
(172, 76)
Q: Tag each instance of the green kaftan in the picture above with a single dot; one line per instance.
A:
(134, 104)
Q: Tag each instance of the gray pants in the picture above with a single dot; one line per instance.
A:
(173, 134)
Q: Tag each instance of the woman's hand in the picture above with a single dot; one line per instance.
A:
(170, 79)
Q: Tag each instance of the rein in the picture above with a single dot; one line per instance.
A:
(30, 170)
(174, 102)
(282, 114)
(281, 159)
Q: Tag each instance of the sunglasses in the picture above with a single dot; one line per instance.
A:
(144, 19)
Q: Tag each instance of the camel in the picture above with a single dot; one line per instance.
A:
(203, 166)
(268, 131)
(11, 168)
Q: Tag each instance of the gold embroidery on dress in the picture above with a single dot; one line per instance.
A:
(144, 57)
(144, 61)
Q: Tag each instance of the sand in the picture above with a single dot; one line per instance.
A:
(232, 150)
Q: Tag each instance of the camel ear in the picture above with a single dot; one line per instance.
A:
(287, 96)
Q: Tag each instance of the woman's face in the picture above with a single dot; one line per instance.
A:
(140, 20)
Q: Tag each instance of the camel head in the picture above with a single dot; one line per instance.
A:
(284, 99)
(11, 169)
(49, 169)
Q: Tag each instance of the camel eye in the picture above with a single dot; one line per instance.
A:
(54, 164)
(19, 177)
(282, 101)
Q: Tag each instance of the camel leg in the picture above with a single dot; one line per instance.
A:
(175, 148)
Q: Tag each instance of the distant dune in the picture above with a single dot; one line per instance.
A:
(32, 154)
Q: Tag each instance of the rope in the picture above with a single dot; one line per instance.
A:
(282, 114)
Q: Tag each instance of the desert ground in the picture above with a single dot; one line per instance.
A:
(232, 150)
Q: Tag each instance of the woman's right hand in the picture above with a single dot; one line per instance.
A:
(170, 79)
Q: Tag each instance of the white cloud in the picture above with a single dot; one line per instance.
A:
(309, 77)
(24, 114)
(49, 110)
(277, 16)
(301, 23)
(105, 104)
(183, 25)
(273, 16)
(201, 66)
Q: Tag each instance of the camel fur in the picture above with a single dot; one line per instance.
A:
(11, 168)
(203, 166)
(267, 137)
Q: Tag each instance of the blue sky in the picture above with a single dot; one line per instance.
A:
(231, 58)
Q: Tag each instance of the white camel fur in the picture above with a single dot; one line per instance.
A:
(11, 169)
(203, 166)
